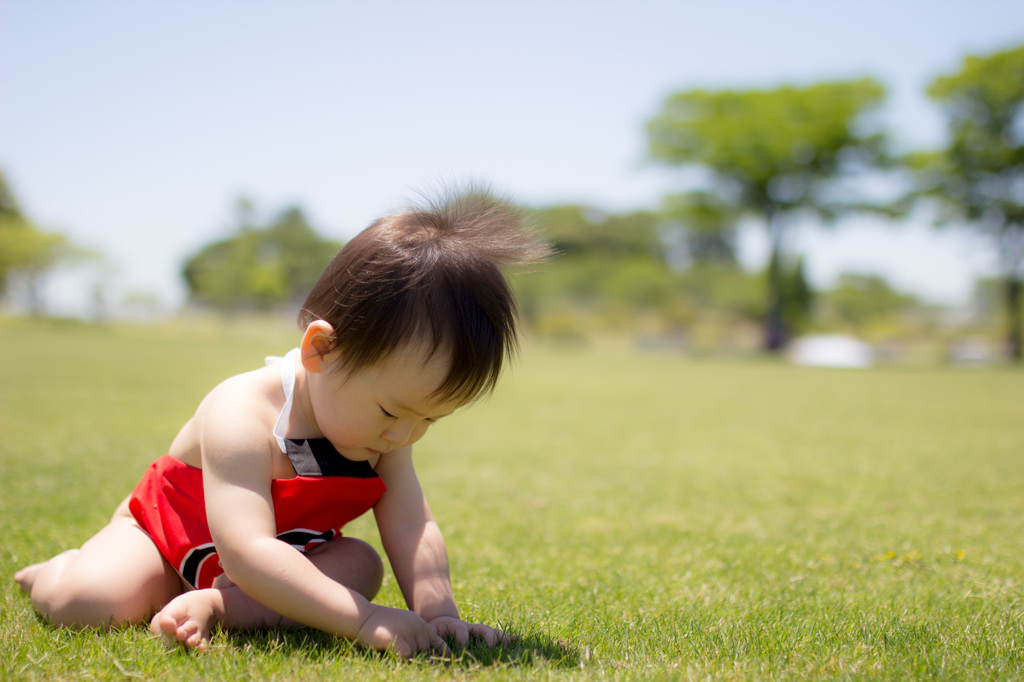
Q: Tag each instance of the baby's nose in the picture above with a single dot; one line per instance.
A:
(397, 434)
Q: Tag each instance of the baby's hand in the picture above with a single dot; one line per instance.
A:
(446, 626)
(401, 631)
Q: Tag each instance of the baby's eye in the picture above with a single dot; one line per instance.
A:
(387, 414)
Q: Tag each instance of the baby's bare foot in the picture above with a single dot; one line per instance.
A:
(187, 619)
(27, 576)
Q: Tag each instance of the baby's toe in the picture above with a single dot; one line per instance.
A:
(165, 626)
(186, 620)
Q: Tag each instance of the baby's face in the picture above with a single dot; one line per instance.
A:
(382, 408)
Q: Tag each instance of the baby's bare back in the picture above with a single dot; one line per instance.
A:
(243, 408)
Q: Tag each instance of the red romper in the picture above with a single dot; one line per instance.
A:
(327, 492)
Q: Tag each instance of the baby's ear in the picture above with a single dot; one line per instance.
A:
(317, 343)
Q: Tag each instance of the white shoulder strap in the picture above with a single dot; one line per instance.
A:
(288, 384)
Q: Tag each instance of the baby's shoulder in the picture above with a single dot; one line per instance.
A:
(243, 405)
(259, 384)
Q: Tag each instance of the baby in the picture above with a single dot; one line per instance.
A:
(239, 524)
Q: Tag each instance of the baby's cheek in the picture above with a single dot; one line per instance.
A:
(418, 433)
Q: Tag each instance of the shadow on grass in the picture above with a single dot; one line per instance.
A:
(313, 646)
(525, 650)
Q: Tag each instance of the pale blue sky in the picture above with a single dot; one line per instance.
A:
(132, 126)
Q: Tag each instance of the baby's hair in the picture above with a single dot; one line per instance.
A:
(431, 274)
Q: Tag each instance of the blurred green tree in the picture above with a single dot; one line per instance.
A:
(727, 289)
(775, 154)
(27, 252)
(581, 230)
(795, 293)
(662, 269)
(978, 178)
(259, 268)
(699, 229)
(859, 304)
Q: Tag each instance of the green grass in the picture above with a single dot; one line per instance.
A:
(629, 516)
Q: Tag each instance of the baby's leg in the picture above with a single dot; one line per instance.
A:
(118, 576)
(189, 618)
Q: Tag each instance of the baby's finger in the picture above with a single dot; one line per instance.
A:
(400, 648)
(486, 633)
(492, 636)
(453, 628)
(440, 646)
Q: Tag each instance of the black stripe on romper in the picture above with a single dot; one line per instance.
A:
(317, 457)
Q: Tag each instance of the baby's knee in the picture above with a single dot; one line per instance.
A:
(367, 557)
(365, 564)
(88, 600)
(351, 562)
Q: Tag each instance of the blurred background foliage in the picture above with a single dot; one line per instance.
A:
(669, 276)
(28, 253)
(260, 267)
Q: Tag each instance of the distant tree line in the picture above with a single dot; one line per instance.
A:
(978, 178)
(778, 156)
(646, 266)
(789, 152)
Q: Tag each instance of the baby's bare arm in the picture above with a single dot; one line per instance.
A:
(417, 551)
(237, 474)
(412, 540)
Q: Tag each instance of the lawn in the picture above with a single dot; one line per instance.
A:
(627, 515)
